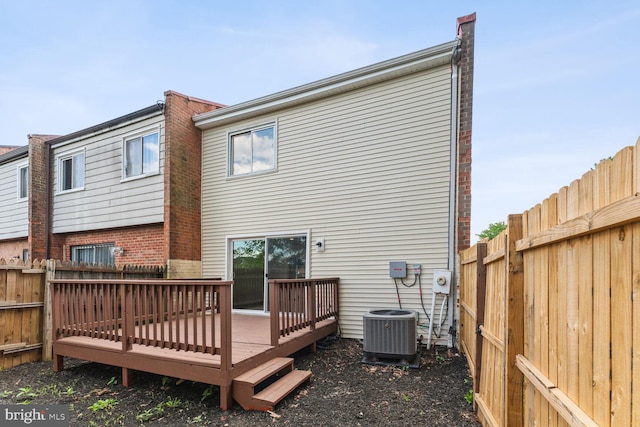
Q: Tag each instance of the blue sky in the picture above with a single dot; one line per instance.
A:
(555, 84)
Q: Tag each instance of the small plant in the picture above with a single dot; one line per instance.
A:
(173, 403)
(439, 358)
(103, 404)
(165, 381)
(113, 381)
(469, 397)
(406, 397)
(206, 393)
(6, 393)
(195, 420)
(26, 393)
(145, 416)
(69, 391)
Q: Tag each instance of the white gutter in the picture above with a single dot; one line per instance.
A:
(393, 68)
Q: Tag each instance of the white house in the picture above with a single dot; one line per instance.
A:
(341, 177)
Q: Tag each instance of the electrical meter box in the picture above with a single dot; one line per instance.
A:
(441, 281)
(398, 269)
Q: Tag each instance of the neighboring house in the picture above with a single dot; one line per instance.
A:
(340, 177)
(14, 209)
(126, 191)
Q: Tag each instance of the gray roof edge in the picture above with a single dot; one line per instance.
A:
(22, 151)
(343, 78)
(156, 108)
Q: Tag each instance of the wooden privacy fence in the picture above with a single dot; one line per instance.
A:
(21, 311)
(550, 309)
(25, 315)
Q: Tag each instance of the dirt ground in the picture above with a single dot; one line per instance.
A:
(342, 392)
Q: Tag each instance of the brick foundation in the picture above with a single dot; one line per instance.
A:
(13, 248)
(142, 245)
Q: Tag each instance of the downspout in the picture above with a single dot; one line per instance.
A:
(48, 201)
(453, 186)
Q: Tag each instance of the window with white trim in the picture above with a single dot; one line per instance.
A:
(141, 155)
(252, 151)
(71, 171)
(23, 182)
(94, 254)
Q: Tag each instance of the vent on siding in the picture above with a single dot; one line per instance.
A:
(389, 334)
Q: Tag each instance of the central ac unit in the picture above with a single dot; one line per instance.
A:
(390, 334)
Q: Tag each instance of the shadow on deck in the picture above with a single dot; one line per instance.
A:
(186, 329)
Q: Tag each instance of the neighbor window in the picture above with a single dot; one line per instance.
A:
(252, 151)
(23, 182)
(141, 155)
(71, 168)
(94, 254)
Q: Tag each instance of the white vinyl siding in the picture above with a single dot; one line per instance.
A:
(367, 170)
(107, 200)
(14, 213)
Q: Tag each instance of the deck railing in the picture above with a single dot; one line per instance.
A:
(171, 314)
(296, 304)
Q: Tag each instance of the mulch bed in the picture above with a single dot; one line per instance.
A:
(342, 392)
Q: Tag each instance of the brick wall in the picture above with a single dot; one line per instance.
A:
(183, 165)
(13, 248)
(466, 32)
(142, 245)
(38, 195)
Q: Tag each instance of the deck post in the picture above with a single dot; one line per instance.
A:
(226, 397)
(127, 377)
(274, 312)
(128, 325)
(311, 305)
(225, 330)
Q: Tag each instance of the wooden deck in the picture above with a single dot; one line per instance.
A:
(185, 329)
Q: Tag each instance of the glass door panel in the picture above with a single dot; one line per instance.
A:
(248, 274)
(283, 257)
(287, 257)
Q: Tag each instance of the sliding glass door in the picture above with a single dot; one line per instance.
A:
(255, 261)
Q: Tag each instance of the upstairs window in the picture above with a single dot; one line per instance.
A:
(252, 151)
(23, 182)
(141, 155)
(94, 254)
(71, 168)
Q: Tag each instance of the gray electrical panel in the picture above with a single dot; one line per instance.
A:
(398, 269)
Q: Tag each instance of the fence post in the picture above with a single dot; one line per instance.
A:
(47, 333)
(514, 325)
(481, 289)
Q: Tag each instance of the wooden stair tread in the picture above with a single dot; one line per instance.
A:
(264, 371)
(281, 388)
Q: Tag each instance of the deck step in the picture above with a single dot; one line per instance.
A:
(266, 370)
(266, 385)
